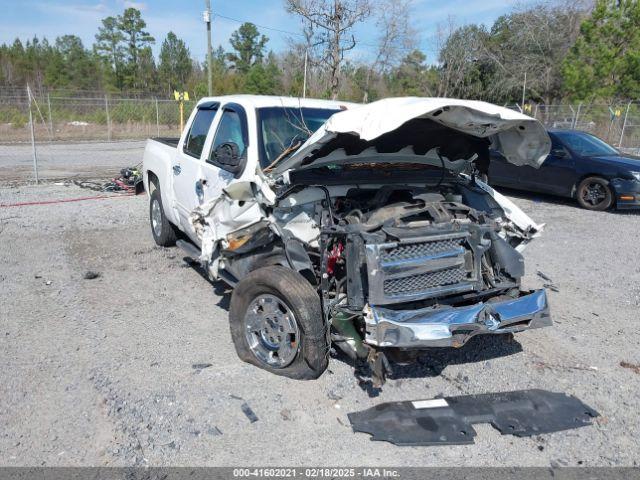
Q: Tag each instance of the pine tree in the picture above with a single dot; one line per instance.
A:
(248, 47)
(263, 78)
(110, 49)
(136, 39)
(71, 65)
(604, 62)
(175, 63)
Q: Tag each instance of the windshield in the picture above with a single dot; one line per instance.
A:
(585, 144)
(281, 128)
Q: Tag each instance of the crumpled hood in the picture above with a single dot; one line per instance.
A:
(521, 139)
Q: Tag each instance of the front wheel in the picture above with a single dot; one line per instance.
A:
(594, 193)
(276, 323)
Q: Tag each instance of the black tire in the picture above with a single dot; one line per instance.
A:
(291, 288)
(594, 193)
(164, 233)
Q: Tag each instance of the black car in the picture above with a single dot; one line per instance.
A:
(580, 166)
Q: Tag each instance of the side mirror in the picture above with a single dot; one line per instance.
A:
(227, 154)
(559, 153)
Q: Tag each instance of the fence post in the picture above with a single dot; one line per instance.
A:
(33, 136)
(106, 107)
(50, 118)
(624, 124)
(575, 118)
(157, 118)
(612, 114)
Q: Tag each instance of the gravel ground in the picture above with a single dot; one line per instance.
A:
(137, 367)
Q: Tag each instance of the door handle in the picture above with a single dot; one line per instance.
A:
(177, 169)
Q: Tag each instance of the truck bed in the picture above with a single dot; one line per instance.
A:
(170, 141)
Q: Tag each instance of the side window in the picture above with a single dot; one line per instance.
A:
(198, 133)
(230, 130)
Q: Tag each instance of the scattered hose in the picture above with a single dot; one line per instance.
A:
(66, 200)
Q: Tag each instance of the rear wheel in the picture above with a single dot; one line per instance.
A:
(163, 232)
(276, 323)
(594, 193)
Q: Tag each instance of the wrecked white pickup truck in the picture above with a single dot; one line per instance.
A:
(374, 234)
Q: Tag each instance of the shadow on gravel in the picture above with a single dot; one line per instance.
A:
(432, 362)
(220, 288)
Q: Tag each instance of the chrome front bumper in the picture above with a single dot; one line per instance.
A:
(454, 326)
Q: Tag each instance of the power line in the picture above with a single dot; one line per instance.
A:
(258, 25)
(287, 32)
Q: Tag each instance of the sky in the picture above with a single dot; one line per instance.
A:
(52, 18)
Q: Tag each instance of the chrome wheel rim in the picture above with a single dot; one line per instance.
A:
(156, 218)
(271, 331)
(594, 194)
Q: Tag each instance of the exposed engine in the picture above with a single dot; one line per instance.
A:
(397, 245)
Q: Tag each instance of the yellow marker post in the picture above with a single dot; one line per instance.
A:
(181, 97)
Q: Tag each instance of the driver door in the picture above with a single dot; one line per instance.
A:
(555, 176)
(232, 128)
(187, 164)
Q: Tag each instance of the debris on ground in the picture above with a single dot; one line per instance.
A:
(333, 395)
(90, 275)
(543, 276)
(634, 367)
(450, 420)
(129, 181)
(246, 409)
(588, 368)
(551, 286)
(214, 431)
(201, 366)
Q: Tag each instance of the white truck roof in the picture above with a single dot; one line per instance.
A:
(262, 101)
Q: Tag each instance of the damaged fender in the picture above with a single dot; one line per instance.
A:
(239, 206)
(521, 223)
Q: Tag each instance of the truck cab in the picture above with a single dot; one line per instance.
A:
(198, 166)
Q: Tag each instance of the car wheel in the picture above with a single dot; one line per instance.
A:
(163, 232)
(276, 323)
(594, 193)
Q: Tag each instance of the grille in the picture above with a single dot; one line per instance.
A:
(416, 250)
(424, 281)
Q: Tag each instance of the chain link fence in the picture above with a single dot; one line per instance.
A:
(617, 124)
(92, 116)
(86, 117)
(90, 133)
(78, 135)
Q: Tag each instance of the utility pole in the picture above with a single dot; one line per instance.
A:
(206, 15)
